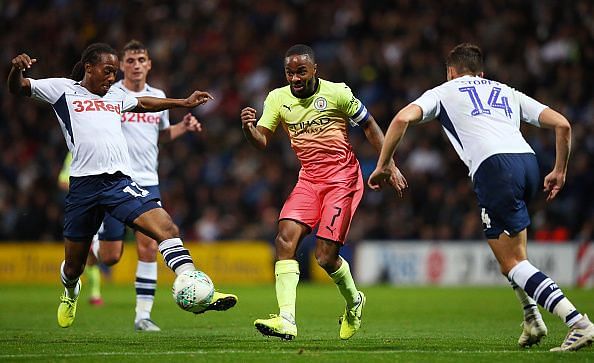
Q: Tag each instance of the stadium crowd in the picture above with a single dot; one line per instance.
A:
(217, 187)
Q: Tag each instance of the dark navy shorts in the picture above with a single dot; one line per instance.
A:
(504, 185)
(112, 229)
(90, 197)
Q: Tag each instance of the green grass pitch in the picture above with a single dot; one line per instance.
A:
(400, 324)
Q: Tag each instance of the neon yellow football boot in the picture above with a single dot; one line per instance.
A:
(221, 302)
(277, 326)
(350, 321)
(67, 309)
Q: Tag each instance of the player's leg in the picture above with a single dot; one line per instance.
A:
(504, 184)
(139, 209)
(70, 271)
(286, 272)
(543, 290)
(327, 255)
(157, 224)
(93, 274)
(82, 217)
(111, 240)
(339, 205)
(145, 282)
(300, 213)
(509, 251)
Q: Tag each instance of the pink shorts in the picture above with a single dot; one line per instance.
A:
(329, 204)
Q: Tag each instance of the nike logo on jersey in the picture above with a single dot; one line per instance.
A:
(96, 105)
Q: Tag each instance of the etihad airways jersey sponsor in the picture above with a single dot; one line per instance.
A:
(480, 117)
(91, 124)
(317, 127)
(142, 134)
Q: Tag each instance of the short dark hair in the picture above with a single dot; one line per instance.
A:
(92, 54)
(134, 46)
(301, 49)
(466, 57)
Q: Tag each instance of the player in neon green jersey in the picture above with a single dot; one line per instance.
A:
(315, 114)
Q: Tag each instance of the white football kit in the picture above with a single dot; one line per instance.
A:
(91, 124)
(141, 131)
(481, 117)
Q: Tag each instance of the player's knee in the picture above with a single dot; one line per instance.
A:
(170, 230)
(147, 250)
(326, 261)
(284, 247)
(73, 270)
(110, 258)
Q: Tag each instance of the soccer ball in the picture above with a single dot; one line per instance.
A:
(193, 291)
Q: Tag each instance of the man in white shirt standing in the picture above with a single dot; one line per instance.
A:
(143, 133)
(481, 118)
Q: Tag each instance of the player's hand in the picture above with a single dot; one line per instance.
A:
(197, 98)
(553, 183)
(191, 123)
(248, 116)
(397, 180)
(22, 62)
(390, 175)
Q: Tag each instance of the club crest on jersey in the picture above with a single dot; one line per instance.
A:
(320, 103)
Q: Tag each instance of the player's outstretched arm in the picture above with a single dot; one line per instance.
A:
(555, 180)
(154, 104)
(375, 136)
(258, 136)
(188, 124)
(17, 84)
(383, 173)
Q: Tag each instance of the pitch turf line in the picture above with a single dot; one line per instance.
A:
(283, 352)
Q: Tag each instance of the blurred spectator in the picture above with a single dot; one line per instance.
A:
(216, 187)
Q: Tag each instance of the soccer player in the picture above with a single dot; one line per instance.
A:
(481, 118)
(143, 132)
(92, 270)
(89, 111)
(316, 114)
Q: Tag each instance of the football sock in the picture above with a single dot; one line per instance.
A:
(344, 281)
(145, 284)
(545, 291)
(176, 256)
(71, 287)
(528, 303)
(95, 247)
(287, 278)
(94, 278)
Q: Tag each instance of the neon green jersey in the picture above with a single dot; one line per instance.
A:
(318, 128)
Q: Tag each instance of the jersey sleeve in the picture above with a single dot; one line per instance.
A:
(351, 106)
(129, 102)
(429, 103)
(48, 89)
(530, 109)
(164, 122)
(270, 116)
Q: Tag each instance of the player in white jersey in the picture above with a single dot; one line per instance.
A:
(482, 118)
(143, 132)
(89, 112)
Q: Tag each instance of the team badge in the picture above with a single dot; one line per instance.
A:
(320, 103)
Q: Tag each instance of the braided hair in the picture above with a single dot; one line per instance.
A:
(92, 54)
